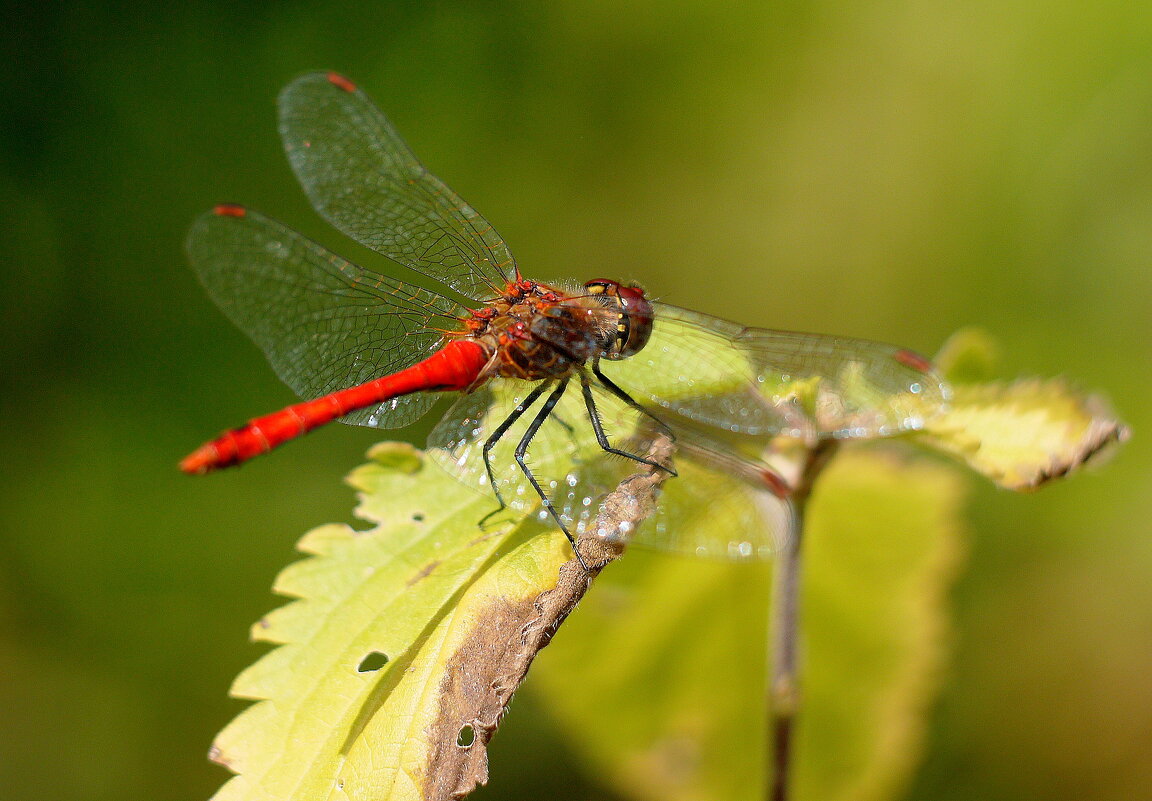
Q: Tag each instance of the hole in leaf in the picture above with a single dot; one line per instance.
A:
(466, 737)
(374, 661)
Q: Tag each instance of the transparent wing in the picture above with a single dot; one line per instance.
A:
(363, 179)
(708, 511)
(758, 381)
(324, 323)
(563, 455)
(705, 511)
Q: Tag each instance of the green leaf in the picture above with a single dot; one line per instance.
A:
(1019, 434)
(1023, 434)
(671, 653)
(373, 691)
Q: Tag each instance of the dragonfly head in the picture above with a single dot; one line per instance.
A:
(634, 320)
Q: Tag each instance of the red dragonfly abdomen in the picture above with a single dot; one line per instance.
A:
(455, 367)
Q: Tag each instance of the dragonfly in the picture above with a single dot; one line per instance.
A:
(559, 386)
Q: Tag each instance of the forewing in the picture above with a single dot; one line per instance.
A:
(324, 323)
(706, 511)
(850, 388)
(693, 366)
(363, 179)
(763, 382)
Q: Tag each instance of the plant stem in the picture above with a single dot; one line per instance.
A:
(783, 687)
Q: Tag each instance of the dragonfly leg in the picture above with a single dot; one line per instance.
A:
(594, 417)
(497, 435)
(521, 452)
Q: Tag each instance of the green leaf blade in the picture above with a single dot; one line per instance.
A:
(350, 700)
(1018, 434)
(1021, 435)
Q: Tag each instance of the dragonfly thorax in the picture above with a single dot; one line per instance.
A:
(537, 331)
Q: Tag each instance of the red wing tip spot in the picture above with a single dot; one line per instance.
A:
(336, 79)
(910, 358)
(229, 210)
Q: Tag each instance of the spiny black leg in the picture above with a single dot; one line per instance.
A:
(594, 416)
(496, 436)
(522, 450)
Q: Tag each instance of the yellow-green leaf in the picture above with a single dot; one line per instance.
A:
(378, 689)
(1024, 433)
(1019, 434)
(671, 653)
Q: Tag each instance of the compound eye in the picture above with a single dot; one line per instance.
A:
(637, 310)
(631, 295)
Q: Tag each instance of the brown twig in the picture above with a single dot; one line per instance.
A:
(783, 686)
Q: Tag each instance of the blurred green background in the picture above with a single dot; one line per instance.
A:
(887, 170)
